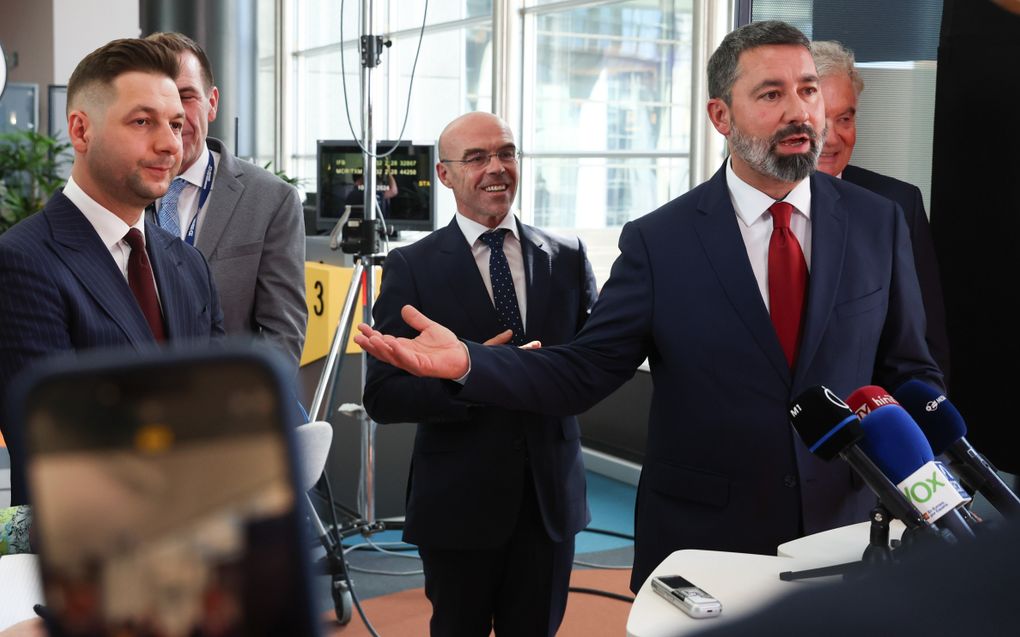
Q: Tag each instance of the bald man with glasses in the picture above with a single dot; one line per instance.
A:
(495, 496)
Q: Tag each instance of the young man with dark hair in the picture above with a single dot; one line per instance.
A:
(88, 271)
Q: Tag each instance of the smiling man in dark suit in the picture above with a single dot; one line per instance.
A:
(841, 86)
(495, 496)
(88, 271)
(766, 280)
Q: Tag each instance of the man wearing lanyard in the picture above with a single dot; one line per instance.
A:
(246, 221)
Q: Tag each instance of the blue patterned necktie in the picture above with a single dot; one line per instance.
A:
(168, 217)
(504, 296)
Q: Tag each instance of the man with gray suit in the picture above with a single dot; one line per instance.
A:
(247, 222)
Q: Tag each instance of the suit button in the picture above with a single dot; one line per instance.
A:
(790, 481)
(518, 444)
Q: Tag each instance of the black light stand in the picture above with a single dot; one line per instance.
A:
(363, 241)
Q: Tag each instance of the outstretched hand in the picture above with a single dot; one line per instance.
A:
(436, 352)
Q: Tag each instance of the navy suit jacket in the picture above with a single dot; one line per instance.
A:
(468, 464)
(723, 467)
(925, 261)
(62, 292)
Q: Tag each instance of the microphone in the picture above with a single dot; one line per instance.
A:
(898, 447)
(943, 425)
(828, 428)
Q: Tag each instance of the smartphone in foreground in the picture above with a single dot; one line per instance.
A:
(686, 596)
(165, 499)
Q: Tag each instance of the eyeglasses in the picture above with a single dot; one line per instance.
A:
(480, 160)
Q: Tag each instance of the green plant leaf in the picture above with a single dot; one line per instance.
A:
(30, 165)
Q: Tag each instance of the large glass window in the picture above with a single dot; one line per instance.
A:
(453, 74)
(606, 106)
(599, 95)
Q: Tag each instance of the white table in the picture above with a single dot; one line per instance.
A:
(743, 582)
(20, 588)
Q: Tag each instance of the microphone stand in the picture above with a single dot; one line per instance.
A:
(878, 551)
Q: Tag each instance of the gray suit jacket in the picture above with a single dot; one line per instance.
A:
(254, 241)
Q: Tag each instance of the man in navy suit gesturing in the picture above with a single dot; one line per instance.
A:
(88, 271)
(696, 292)
(495, 496)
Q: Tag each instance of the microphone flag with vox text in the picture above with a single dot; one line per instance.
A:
(945, 430)
(898, 447)
(829, 428)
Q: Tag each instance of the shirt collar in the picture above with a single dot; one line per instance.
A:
(195, 174)
(472, 229)
(751, 203)
(110, 228)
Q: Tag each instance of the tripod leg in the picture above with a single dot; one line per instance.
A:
(331, 369)
(336, 566)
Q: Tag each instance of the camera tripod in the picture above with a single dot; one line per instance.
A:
(361, 521)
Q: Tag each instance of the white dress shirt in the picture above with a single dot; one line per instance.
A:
(755, 223)
(110, 228)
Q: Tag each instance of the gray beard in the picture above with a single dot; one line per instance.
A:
(760, 154)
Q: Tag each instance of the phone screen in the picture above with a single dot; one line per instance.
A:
(675, 581)
(164, 501)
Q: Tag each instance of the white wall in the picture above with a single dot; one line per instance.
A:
(49, 37)
(82, 26)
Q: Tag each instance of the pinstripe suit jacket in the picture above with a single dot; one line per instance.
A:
(61, 291)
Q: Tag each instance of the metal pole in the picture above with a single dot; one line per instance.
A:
(369, 58)
(327, 378)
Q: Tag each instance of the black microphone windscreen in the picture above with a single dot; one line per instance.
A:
(941, 423)
(824, 422)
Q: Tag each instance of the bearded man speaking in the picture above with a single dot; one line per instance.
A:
(766, 280)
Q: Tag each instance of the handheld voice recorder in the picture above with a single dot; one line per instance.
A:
(686, 596)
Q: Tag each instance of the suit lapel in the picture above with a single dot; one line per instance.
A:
(456, 265)
(727, 254)
(828, 247)
(223, 198)
(167, 262)
(537, 272)
(91, 264)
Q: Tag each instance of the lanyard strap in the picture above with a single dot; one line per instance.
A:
(202, 196)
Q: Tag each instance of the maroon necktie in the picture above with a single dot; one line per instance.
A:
(788, 277)
(142, 283)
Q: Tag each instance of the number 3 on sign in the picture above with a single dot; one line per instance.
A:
(326, 288)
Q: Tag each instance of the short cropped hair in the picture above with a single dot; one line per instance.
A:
(832, 58)
(180, 43)
(722, 66)
(100, 68)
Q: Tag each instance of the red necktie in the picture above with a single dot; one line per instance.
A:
(142, 283)
(788, 277)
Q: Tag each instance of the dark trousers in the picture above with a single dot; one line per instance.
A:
(520, 588)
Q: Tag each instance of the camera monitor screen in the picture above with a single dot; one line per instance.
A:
(165, 499)
(404, 184)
